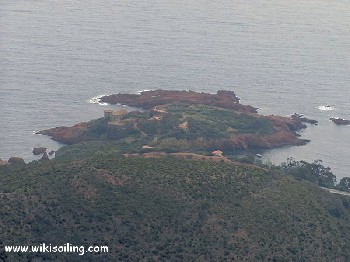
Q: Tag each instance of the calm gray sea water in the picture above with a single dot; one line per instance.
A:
(281, 56)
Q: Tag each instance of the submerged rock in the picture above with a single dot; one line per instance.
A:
(340, 121)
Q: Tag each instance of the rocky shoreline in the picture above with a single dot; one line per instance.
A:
(285, 128)
(304, 119)
(150, 99)
(66, 135)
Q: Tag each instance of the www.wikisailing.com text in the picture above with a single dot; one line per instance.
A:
(48, 248)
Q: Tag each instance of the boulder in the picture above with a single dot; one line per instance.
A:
(2, 162)
(16, 160)
(39, 150)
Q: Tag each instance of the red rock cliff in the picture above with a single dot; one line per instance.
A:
(150, 99)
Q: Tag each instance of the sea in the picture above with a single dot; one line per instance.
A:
(284, 57)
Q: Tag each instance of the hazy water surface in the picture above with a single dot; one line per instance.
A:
(281, 56)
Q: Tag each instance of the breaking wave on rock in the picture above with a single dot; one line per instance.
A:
(97, 100)
(144, 90)
(326, 108)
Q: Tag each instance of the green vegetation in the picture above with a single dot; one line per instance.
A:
(344, 184)
(314, 172)
(168, 209)
(214, 122)
(173, 209)
(180, 128)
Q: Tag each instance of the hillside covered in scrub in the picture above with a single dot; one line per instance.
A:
(168, 209)
(159, 184)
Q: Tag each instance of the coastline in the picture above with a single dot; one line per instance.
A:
(284, 134)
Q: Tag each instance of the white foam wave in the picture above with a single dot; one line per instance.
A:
(326, 108)
(145, 90)
(97, 100)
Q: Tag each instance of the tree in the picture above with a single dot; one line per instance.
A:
(313, 172)
(344, 184)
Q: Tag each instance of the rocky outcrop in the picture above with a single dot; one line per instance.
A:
(51, 152)
(45, 157)
(244, 142)
(16, 160)
(67, 135)
(39, 150)
(2, 162)
(340, 121)
(304, 119)
(150, 99)
(286, 124)
(285, 135)
(279, 139)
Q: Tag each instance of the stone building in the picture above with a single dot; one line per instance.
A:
(115, 115)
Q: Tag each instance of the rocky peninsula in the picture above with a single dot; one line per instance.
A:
(184, 121)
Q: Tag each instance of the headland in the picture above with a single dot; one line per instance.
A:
(184, 121)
